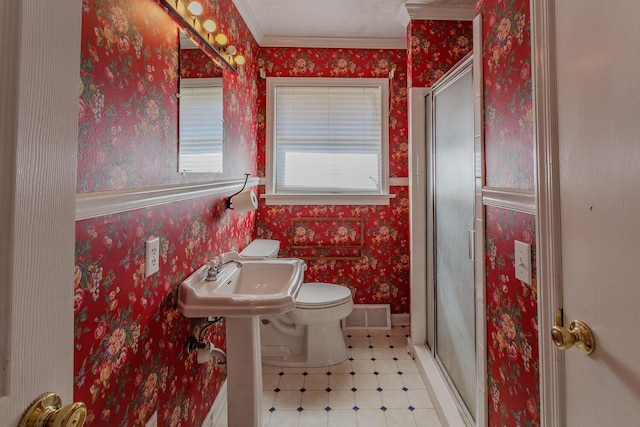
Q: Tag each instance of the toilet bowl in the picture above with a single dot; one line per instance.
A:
(310, 335)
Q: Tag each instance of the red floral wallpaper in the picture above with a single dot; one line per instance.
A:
(383, 275)
(507, 93)
(128, 83)
(512, 332)
(512, 323)
(434, 47)
(130, 358)
(130, 354)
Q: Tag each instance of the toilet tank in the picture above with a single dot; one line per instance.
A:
(262, 248)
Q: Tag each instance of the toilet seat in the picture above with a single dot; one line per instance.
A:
(322, 295)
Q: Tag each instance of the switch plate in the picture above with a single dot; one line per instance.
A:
(523, 261)
(152, 256)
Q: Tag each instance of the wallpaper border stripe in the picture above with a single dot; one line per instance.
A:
(93, 205)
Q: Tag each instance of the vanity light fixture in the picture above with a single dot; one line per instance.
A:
(195, 8)
(209, 25)
(192, 17)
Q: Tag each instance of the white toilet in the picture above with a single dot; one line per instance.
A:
(310, 335)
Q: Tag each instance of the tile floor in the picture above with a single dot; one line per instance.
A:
(379, 385)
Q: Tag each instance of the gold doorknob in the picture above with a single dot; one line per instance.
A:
(47, 411)
(578, 334)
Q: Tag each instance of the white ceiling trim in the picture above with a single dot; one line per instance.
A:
(250, 19)
(335, 42)
(436, 12)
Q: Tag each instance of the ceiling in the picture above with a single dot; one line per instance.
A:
(343, 23)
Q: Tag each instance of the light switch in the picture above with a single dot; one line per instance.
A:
(523, 261)
(152, 256)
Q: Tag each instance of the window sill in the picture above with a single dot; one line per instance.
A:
(333, 199)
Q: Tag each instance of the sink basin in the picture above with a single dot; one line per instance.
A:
(243, 288)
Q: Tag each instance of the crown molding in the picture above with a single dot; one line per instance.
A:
(436, 12)
(335, 42)
(246, 12)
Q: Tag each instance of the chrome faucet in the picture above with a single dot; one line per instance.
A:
(215, 268)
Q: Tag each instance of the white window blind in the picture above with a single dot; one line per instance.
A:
(200, 125)
(329, 139)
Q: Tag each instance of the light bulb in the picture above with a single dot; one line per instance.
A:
(221, 39)
(195, 8)
(231, 50)
(209, 25)
(239, 59)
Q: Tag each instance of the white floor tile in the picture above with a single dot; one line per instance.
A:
(359, 342)
(342, 399)
(371, 418)
(341, 368)
(401, 354)
(382, 353)
(379, 341)
(313, 418)
(390, 381)
(341, 418)
(407, 366)
(368, 399)
(426, 418)
(291, 382)
(396, 399)
(283, 417)
(419, 399)
(316, 381)
(362, 366)
(365, 382)
(400, 417)
(268, 399)
(341, 381)
(386, 366)
(315, 399)
(361, 353)
(270, 381)
(412, 381)
(358, 333)
(287, 400)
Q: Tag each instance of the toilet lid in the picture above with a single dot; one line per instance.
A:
(319, 295)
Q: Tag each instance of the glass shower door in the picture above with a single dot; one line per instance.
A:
(453, 207)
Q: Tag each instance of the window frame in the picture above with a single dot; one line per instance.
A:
(318, 198)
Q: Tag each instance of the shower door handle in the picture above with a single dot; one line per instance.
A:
(472, 244)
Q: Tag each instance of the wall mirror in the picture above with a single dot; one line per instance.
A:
(200, 106)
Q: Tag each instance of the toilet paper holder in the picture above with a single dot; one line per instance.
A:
(246, 179)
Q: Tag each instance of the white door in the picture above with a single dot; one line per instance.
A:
(598, 85)
(39, 69)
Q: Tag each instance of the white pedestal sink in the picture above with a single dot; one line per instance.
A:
(242, 291)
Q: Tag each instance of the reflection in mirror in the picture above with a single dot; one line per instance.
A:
(200, 112)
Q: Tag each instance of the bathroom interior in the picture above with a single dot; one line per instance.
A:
(132, 360)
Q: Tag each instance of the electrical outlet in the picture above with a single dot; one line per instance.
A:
(523, 261)
(152, 256)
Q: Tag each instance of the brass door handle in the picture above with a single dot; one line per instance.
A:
(47, 411)
(578, 334)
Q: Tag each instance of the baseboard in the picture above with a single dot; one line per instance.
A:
(218, 407)
(443, 400)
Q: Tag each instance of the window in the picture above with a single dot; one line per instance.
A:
(200, 122)
(327, 141)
